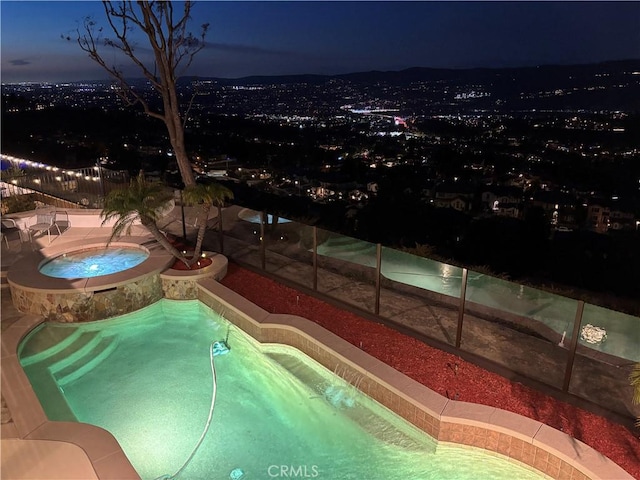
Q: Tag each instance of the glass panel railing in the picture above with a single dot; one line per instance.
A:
(213, 239)
(289, 250)
(422, 273)
(346, 269)
(608, 347)
(420, 293)
(524, 329)
(554, 311)
(242, 235)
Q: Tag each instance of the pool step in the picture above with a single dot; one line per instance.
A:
(78, 349)
(51, 396)
(60, 348)
(84, 360)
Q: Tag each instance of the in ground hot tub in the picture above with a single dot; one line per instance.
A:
(85, 281)
(94, 262)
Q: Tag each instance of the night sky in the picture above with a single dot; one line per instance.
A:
(273, 38)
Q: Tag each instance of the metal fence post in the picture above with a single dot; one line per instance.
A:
(463, 294)
(573, 346)
(102, 191)
(263, 253)
(378, 269)
(315, 258)
(220, 230)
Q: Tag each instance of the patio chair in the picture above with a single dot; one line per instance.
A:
(62, 220)
(10, 229)
(45, 222)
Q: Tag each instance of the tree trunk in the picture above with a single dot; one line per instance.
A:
(162, 240)
(176, 138)
(204, 214)
(274, 222)
(175, 127)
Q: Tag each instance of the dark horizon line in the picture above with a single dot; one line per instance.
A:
(322, 75)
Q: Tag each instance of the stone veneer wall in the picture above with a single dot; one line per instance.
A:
(179, 289)
(89, 306)
(431, 422)
(183, 284)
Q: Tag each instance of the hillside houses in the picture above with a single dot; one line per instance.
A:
(505, 201)
(563, 210)
(559, 207)
(604, 216)
(458, 196)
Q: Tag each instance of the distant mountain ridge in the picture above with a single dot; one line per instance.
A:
(416, 74)
(604, 86)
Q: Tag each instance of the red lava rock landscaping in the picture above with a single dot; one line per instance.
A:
(447, 374)
(203, 262)
(185, 246)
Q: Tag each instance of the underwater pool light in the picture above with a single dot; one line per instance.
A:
(236, 474)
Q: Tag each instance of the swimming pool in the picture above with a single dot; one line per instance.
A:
(93, 262)
(146, 378)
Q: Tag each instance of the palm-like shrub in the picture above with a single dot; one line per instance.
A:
(206, 195)
(141, 201)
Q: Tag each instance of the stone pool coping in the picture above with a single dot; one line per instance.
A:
(531, 442)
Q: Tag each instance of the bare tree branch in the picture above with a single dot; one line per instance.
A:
(173, 48)
(189, 105)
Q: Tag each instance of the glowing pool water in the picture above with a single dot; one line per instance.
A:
(147, 378)
(93, 262)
